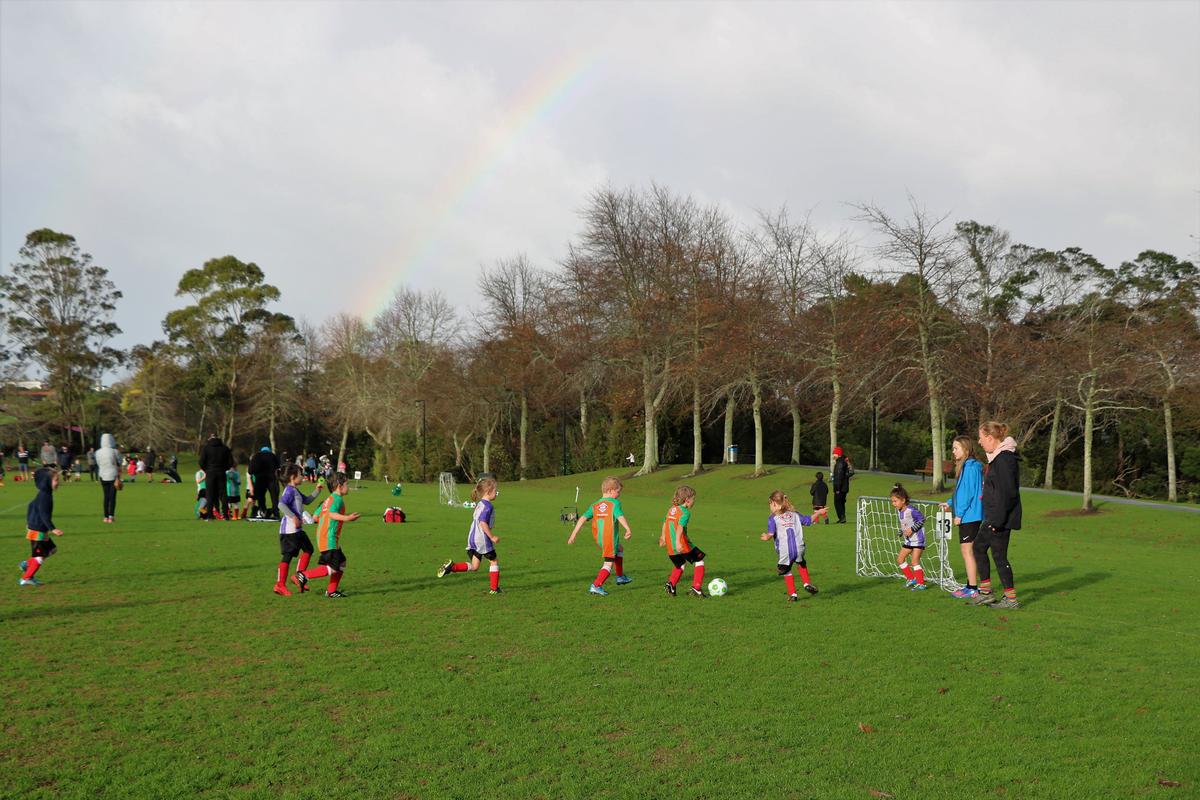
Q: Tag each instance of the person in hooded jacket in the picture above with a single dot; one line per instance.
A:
(39, 524)
(1001, 500)
(108, 467)
(215, 459)
(264, 477)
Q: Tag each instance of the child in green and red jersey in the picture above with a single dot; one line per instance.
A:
(38, 524)
(329, 529)
(604, 514)
(680, 549)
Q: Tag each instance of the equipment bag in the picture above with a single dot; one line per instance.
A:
(394, 514)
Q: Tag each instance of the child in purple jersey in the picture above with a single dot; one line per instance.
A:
(785, 526)
(481, 542)
(912, 532)
(292, 538)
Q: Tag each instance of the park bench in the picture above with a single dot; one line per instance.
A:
(947, 469)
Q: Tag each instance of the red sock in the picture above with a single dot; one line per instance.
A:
(698, 576)
(920, 573)
(908, 572)
(619, 563)
(461, 566)
(334, 579)
(676, 574)
(494, 577)
(282, 572)
(791, 583)
(32, 567)
(318, 572)
(985, 586)
(601, 577)
(804, 576)
(302, 564)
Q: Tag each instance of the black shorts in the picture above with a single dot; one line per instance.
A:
(490, 556)
(42, 549)
(334, 559)
(784, 569)
(911, 546)
(290, 545)
(690, 557)
(968, 532)
(233, 497)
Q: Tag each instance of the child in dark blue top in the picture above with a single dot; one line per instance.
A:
(39, 524)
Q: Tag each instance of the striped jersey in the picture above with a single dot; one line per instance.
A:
(477, 540)
(328, 528)
(787, 529)
(914, 520)
(294, 500)
(675, 530)
(604, 514)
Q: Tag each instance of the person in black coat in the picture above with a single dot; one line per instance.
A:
(1001, 499)
(841, 483)
(215, 459)
(264, 477)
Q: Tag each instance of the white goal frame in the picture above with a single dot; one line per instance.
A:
(447, 489)
(877, 541)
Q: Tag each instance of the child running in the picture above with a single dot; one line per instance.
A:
(481, 541)
(604, 514)
(38, 524)
(679, 548)
(912, 531)
(292, 538)
(329, 529)
(785, 526)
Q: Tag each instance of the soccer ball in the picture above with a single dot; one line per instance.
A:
(717, 587)
(307, 517)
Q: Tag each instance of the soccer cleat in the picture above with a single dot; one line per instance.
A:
(301, 580)
(29, 582)
(982, 599)
(793, 598)
(623, 579)
(1006, 602)
(594, 589)
(911, 582)
(696, 592)
(283, 590)
(808, 587)
(920, 587)
(444, 568)
(23, 566)
(496, 591)
(964, 593)
(670, 588)
(334, 594)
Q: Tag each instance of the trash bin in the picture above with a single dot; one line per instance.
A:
(733, 453)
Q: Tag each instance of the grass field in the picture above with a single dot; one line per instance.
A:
(155, 662)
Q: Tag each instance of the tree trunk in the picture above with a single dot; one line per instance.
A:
(1088, 421)
(697, 431)
(83, 427)
(524, 431)
(935, 432)
(756, 390)
(203, 414)
(1048, 483)
(1172, 488)
(835, 409)
(342, 447)
(795, 430)
(730, 409)
(874, 462)
(649, 408)
(487, 447)
(583, 416)
(271, 428)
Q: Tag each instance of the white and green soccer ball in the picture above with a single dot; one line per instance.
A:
(717, 587)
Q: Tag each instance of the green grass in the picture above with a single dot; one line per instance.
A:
(156, 662)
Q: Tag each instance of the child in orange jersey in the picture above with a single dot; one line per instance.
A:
(604, 514)
(329, 530)
(679, 548)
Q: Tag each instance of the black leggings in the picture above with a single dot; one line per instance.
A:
(997, 541)
(110, 498)
(839, 504)
(266, 494)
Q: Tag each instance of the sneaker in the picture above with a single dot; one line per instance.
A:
(983, 599)
(594, 589)
(334, 594)
(808, 587)
(1006, 602)
(964, 593)
(24, 565)
(301, 580)
(911, 582)
(696, 592)
(444, 569)
(283, 590)
(670, 588)
(623, 579)
(496, 591)
(29, 582)
(920, 587)
(793, 598)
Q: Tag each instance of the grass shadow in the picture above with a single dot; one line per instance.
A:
(94, 608)
(1078, 582)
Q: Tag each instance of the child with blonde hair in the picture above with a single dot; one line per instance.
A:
(605, 514)
(785, 526)
(680, 548)
(481, 541)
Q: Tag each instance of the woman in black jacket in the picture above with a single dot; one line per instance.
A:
(1001, 514)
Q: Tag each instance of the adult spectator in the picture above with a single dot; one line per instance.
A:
(1001, 514)
(215, 460)
(49, 454)
(264, 477)
(91, 463)
(840, 480)
(151, 463)
(108, 467)
(310, 467)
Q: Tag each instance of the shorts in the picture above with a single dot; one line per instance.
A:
(291, 544)
(690, 557)
(968, 531)
(233, 497)
(43, 548)
(490, 555)
(610, 546)
(912, 546)
(784, 569)
(334, 559)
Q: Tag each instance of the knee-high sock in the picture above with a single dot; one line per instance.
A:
(601, 577)
(281, 573)
(919, 571)
(676, 574)
(334, 579)
(698, 575)
(302, 564)
(461, 566)
(804, 575)
(908, 571)
(494, 576)
(317, 572)
(32, 567)
(619, 563)
(790, 580)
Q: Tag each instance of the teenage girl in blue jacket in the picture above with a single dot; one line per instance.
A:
(968, 508)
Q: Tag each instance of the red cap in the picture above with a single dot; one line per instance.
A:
(837, 451)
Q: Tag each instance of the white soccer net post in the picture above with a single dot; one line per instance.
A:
(447, 490)
(877, 541)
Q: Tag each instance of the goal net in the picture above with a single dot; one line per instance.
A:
(877, 541)
(447, 490)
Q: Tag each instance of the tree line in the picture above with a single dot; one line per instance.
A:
(666, 329)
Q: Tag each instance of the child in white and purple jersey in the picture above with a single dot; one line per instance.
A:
(481, 542)
(785, 526)
(292, 538)
(912, 532)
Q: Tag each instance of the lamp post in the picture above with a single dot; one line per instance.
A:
(422, 404)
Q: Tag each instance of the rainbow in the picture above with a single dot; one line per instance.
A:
(535, 103)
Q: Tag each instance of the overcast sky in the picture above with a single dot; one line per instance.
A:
(348, 148)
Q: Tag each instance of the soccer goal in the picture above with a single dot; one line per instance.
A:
(877, 541)
(447, 489)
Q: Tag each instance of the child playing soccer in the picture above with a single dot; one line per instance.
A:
(679, 548)
(233, 493)
(329, 530)
(912, 532)
(480, 539)
(604, 514)
(293, 540)
(785, 527)
(820, 494)
(38, 524)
